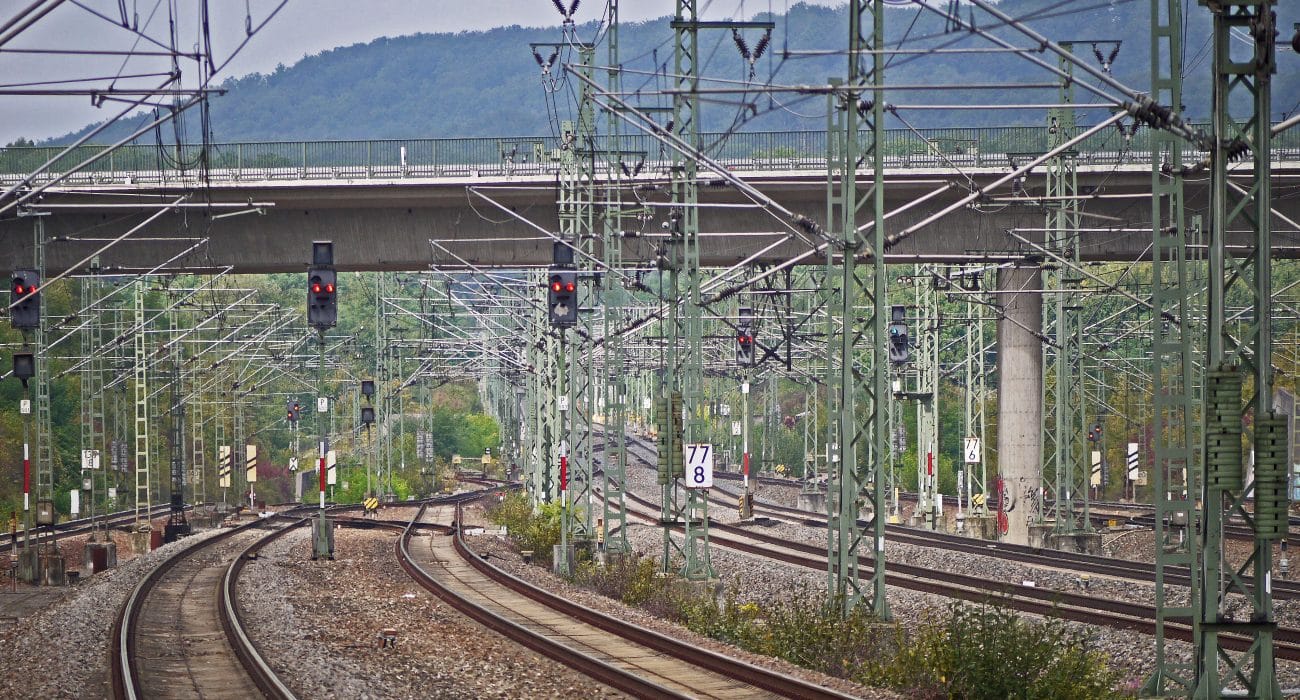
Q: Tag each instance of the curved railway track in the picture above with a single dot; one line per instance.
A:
(635, 660)
(179, 634)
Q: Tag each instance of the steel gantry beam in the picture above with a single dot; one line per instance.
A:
(1176, 512)
(1233, 364)
(924, 390)
(140, 386)
(92, 391)
(681, 381)
(577, 231)
(857, 361)
(1065, 418)
(975, 399)
(613, 297)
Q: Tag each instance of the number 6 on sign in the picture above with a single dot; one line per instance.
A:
(699, 465)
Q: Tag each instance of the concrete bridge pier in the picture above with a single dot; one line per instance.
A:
(1020, 396)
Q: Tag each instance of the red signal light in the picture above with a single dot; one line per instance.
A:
(315, 288)
(569, 287)
(18, 289)
(556, 286)
(329, 288)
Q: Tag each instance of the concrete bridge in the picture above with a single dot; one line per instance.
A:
(492, 202)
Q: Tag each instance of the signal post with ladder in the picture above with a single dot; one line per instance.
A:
(322, 313)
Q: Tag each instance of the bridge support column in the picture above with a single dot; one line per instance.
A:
(1020, 398)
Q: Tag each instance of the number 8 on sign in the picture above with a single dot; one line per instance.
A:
(699, 465)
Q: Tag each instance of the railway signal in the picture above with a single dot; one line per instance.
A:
(745, 338)
(898, 353)
(322, 297)
(1094, 433)
(24, 366)
(562, 298)
(25, 314)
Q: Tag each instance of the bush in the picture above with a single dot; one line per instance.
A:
(965, 651)
(536, 531)
(802, 629)
(636, 581)
(986, 651)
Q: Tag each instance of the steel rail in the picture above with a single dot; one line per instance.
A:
(232, 622)
(599, 670)
(125, 683)
(751, 674)
(1060, 604)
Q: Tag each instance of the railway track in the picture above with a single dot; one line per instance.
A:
(1100, 512)
(179, 634)
(1066, 605)
(1069, 561)
(80, 525)
(635, 660)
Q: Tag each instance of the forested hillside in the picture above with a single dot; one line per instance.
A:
(488, 83)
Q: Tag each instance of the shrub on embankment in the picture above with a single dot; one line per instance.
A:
(961, 651)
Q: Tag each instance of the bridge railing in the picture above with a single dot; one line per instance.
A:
(939, 149)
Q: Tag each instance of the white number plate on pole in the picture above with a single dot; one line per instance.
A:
(699, 465)
(972, 450)
(90, 459)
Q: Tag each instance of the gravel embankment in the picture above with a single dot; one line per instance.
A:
(322, 621)
(764, 579)
(502, 554)
(62, 651)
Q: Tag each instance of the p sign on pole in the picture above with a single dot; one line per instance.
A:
(699, 465)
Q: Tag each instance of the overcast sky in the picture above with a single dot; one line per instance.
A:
(301, 28)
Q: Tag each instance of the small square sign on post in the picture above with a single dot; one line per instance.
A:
(322, 405)
(699, 465)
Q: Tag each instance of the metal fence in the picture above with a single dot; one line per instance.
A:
(936, 149)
